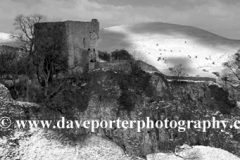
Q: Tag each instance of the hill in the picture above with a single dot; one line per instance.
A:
(8, 40)
(167, 45)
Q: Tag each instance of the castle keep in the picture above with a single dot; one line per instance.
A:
(77, 40)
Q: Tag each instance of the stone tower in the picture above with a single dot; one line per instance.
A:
(78, 40)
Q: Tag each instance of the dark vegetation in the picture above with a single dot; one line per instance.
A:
(40, 64)
(117, 55)
(231, 78)
(49, 59)
(122, 54)
(224, 104)
(12, 69)
(134, 86)
(104, 56)
(73, 97)
(199, 102)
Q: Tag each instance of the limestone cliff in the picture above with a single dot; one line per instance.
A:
(133, 94)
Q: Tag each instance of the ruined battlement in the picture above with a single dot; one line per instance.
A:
(78, 39)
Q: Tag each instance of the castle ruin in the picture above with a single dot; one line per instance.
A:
(77, 39)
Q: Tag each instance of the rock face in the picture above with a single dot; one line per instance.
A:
(7, 104)
(10, 106)
(133, 94)
(4, 94)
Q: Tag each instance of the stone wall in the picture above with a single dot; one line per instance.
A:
(81, 36)
(123, 65)
(115, 66)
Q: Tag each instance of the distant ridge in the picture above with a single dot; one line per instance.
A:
(5, 37)
(167, 45)
(8, 40)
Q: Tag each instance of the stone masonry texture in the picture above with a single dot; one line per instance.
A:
(78, 40)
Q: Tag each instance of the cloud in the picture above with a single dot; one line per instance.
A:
(157, 3)
(216, 16)
(27, 3)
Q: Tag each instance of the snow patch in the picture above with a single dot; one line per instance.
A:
(5, 37)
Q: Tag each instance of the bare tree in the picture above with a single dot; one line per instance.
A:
(7, 60)
(138, 55)
(50, 58)
(233, 69)
(178, 71)
(25, 27)
(231, 75)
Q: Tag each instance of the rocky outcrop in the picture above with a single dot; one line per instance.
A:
(12, 108)
(147, 67)
(110, 95)
(6, 100)
(4, 94)
(134, 95)
(196, 153)
(42, 144)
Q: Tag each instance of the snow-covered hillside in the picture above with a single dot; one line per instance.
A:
(167, 45)
(5, 37)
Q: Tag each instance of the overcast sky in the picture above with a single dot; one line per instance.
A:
(218, 16)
